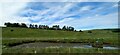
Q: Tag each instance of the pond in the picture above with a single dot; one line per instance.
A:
(59, 45)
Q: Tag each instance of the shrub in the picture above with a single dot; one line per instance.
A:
(89, 31)
(80, 31)
(11, 30)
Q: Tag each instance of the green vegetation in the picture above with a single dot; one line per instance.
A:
(58, 50)
(27, 35)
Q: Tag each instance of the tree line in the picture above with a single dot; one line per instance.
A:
(15, 25)
(34, 26)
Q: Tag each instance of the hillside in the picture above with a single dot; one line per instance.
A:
(11, 32)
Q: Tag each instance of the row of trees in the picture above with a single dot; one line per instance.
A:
(54, 27)
(16, 25)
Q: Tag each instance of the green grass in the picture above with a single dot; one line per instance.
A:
(21, 35)
(40, 34)
(58, 50)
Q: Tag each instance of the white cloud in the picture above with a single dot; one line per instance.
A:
(58, 12)
(63, 22)
(11, 8)
(14, 19)
(8, 11)
(116, 5)
(85, 8)
(15, 0)
(105, 21)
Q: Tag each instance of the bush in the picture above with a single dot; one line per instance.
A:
(89, 31)
(11, 30)
(80, 31)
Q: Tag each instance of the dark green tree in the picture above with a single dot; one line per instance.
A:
(30, 26)
(64, 28)
(8, 24)
(56, 27)
(71, 28)
(80, 31)
(36, 26)
(23, 25)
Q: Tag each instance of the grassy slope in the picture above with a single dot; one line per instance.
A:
(39, 33)
(107, 35)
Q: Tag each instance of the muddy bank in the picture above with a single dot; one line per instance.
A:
(19, 42)
(59, 45)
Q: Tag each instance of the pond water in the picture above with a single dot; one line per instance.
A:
(58, 45)
(109, 47)
(104, 47)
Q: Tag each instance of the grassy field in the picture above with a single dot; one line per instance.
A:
(39, 34)
(26, 35)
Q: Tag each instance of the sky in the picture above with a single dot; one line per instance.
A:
(80, 15)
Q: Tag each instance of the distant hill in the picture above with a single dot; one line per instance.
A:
(41, 33)
(111, 29)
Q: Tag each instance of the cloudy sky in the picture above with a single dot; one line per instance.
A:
(81, 15)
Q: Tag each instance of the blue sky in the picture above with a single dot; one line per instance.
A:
(81, 15)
